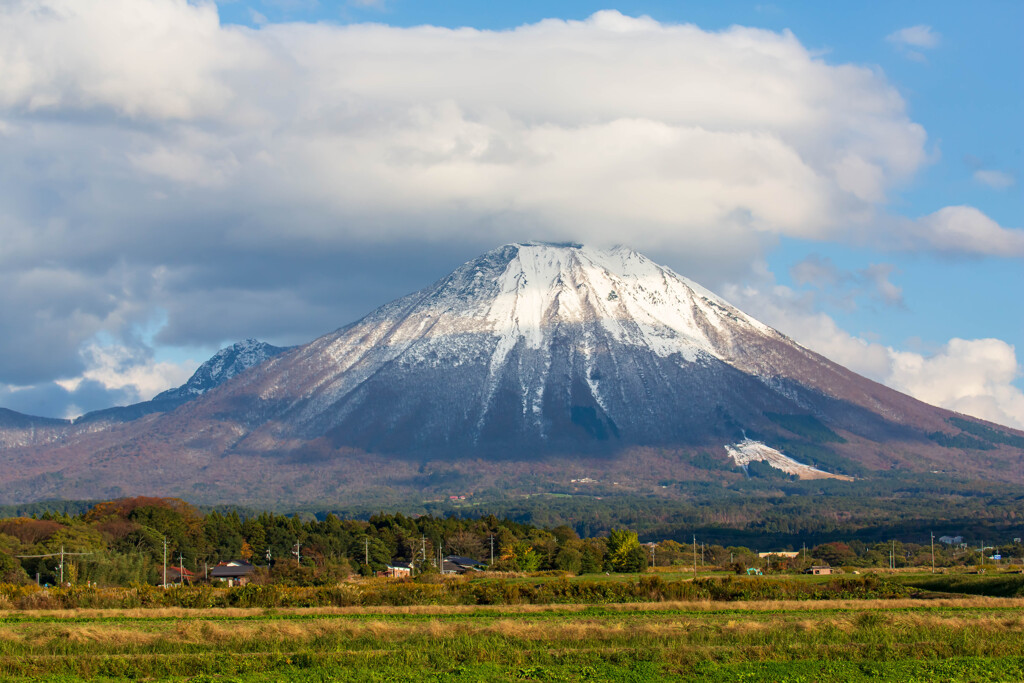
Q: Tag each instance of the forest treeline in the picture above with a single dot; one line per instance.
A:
(127, 541)
(766, 511)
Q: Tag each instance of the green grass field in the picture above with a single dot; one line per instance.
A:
(971, 639)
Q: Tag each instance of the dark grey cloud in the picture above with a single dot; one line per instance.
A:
(845, 288)
(52, 400)
(294, 297)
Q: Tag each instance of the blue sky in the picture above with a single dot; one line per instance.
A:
(179, 176)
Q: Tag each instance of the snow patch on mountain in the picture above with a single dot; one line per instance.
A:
(748, 451)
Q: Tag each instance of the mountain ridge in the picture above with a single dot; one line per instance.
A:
(222, 366)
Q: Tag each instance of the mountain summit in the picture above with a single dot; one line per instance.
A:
(530, 362)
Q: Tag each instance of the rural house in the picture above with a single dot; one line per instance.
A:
(235, 572)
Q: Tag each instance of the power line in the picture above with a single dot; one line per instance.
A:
(62, 554)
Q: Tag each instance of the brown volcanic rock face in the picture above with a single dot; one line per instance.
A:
(530, 364)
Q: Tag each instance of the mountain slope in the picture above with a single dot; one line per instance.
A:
(527, 363)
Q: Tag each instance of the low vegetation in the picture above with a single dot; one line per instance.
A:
(834, 641)
(465, 590)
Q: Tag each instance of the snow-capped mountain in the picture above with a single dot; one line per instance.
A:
(552, 348)
(524, 367)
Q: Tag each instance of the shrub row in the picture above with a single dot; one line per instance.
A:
(454, 592)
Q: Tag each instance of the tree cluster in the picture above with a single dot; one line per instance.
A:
(129, 540)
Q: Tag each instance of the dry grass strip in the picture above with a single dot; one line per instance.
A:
(439, 610)
(207, 633)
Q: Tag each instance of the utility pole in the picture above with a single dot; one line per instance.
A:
(653, 562)
(165, 562)
(491, 536)
(695, 556)
(61, 555)
(367, 544)
(297, 553)
(933, 552)
(181, 568)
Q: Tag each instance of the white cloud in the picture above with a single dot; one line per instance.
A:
(187, 166)
(152, 157)
(920, 36)
(817, 271)
(912, 39)
(144, 58)
(602, 123)
(122, 368)
(877, 275)
(845, 287)
(971, 376)
(994, 179)
(959, 230)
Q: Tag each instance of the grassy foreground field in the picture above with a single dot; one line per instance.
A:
(969, 639)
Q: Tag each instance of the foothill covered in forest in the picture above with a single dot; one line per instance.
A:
(154, 541)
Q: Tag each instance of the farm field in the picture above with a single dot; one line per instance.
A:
(958, 639)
